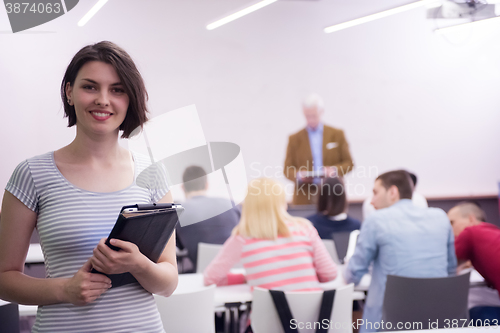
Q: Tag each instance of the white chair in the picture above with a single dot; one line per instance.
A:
(330, 247)
(305, 308)
(207, 253)
(188, 311)
(353, 239)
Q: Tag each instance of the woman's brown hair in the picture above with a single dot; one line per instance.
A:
(128, 73)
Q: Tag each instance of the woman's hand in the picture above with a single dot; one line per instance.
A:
(109, 261)
(85, 287)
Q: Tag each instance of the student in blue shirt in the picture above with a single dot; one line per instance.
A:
(399, 239)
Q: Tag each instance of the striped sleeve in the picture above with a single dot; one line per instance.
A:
(323, 262)
(22, 186)
(218, 270)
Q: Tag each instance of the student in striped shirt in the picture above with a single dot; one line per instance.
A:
(278, 251)
(73, 196)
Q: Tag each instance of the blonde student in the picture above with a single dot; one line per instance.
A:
(278, 251)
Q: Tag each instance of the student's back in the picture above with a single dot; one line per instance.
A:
(402, 240)
(214, 230)
(399, 239)
(326, 225)
(278, 251)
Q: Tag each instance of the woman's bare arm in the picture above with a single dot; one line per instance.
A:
(16, 226)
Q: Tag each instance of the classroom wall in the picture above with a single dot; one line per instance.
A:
(405, 97)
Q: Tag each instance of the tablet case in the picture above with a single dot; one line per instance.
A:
(150, 231)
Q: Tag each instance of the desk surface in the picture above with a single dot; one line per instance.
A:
(35, 254)
(24, 310)
(241, 292)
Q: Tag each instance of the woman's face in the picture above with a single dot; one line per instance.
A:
(99, 99)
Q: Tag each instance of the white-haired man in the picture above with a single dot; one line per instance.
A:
(319, 148)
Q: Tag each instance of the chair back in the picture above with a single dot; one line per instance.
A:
(305, 307)
(207, 253)
(9, 318)
(425, 300)
(353, 239)
(345, 243)
(188, 311)
(330, 247)
(341, 240)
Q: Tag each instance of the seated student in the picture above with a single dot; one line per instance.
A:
(278, 251)
(205, 219)
(399, 239)
(417, 199)
(478, 242)
(332, 205)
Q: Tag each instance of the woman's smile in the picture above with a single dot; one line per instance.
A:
(101, 115)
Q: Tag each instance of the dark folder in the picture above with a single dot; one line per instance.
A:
(149, 227)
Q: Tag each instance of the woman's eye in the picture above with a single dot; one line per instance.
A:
(88, 87)
(119, 90)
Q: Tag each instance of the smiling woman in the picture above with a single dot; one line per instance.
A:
(73, 197)
(98, 98)
(123, 76)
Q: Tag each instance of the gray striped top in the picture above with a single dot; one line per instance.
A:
(71, 221)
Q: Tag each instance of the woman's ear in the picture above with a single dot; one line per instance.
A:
(69, 93)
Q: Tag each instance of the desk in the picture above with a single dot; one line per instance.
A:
(24, 310)
(228, 299)
(242, 293)
(35, 254)
(476, 279)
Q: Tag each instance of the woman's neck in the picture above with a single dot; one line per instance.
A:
(102, 148)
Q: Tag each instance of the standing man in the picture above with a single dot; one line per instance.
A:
(400, 239)
(318, 148)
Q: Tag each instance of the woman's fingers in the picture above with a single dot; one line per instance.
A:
(96, 277)
(100, 266)
(87, 267)
(99, 287)
(125, 246)
(99, 256)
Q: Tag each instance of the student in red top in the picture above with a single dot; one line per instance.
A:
(479, 242)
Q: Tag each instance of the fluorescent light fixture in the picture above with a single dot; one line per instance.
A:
(91, 12)
(459, 27)
(239, 14)
(377, 16)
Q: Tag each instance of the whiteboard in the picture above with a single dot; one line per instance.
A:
(405, 97)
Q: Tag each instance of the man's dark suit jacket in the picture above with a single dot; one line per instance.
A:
(298, 154)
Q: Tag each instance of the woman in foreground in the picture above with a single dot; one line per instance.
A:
(73, 197)
(278, 251)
